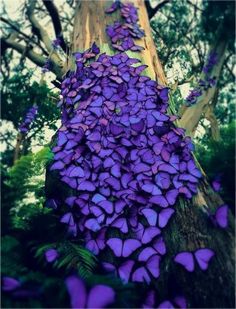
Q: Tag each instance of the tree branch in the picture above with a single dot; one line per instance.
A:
(27, 37)
(152, 11)
(194, 5)
(211, 117)
(37, 28)
(33, 56)
(192, 114)
(53, 12)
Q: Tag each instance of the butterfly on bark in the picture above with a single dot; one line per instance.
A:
(189, 259)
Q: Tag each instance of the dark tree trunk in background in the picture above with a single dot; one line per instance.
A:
(190, 228)
(17, 150)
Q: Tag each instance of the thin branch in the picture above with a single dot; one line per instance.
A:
(152, 11)
(53, 12)
(230, 71)
(194, 5)
(33, 56)
(28, 38)
(37, 28)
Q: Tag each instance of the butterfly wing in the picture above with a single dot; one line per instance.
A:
(77, 292)
(92, 246)
(116, 246)
(121, 223)
(164, 217)
(166, 305)
(141, 275)
(150, 300)
(171, 196)
(109, 267)
(216, 185)
(107, 206)
(130, 245)
(221, 216)
(186, 260)
(180, 301)
(160, 246)
(159, 200)
(92, 224)
(100, 296)
(192, 168)
(203, 257)
(68, 219)
(149, 234)
(146, 253)
(153, 265)
(125, 270)
(150, 215)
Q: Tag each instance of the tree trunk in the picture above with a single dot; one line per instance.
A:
(190, 116)
(19, 140)
(190, 228)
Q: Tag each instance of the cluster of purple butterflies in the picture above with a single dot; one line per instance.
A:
(122, 34)
(206, 83)
(125, 160)
(29, 118)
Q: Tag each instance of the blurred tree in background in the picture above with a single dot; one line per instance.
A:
(184, 33)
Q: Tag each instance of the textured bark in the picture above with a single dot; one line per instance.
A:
(19, 140)
(190, 228)
(90, 24)
(211, 117)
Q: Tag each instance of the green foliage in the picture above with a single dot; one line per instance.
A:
(11, 253)
(219, 13)
(218, 158)
(184, 33)
(71, 256)
(20, 92)
(27, 175)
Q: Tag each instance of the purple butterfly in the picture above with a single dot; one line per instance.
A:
(164, 216)
(123, 248)
(92, 224)
(51, 203)
(165, 201)
(97, 244)
(10, 284)
(51, 255)
(220, 218)
(187, 259)
(191, 166)
(216, 183)
(124, 271)
(150, 215)
(121, 224)
(151, 188)
(150, 300)
(158, 247)
(145, 235)
(142, 274)
(100, 296)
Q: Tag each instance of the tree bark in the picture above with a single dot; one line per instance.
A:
(190, 116)
(19, 140)
(190, 228)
